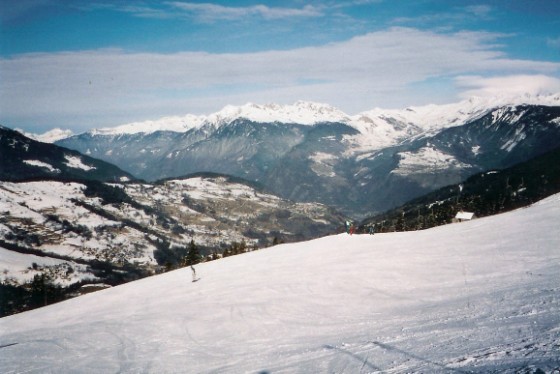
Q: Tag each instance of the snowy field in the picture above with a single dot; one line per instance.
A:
(17, 268)
(482, 296)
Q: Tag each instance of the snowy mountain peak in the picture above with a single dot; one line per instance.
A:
(50, 136)
(431, 115)
(513, 100)
(384, 127)
(172, 123)
(301, 112)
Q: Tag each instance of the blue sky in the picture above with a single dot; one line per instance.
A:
(85, 64)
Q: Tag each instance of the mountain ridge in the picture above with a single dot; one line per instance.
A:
(25, 158)
(309, 113)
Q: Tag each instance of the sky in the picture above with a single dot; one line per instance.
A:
(90, 64)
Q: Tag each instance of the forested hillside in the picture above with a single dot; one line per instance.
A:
(482, 194)
(24, 159)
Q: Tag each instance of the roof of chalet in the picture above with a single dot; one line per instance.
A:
(464, 215)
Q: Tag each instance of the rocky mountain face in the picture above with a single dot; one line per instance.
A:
(361, 165)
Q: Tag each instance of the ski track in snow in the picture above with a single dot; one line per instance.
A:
(480, 296)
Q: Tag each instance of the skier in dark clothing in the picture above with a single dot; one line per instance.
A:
(193, 274)
(349, 227)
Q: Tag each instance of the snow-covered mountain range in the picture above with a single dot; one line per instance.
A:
(310, 113)
(314, 152)
(481, 296)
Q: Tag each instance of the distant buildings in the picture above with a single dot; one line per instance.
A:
(464, 216)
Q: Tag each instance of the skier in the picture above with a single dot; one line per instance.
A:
(349, 226)
(193, 274)
(372, 229)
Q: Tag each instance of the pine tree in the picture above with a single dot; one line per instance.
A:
(193, 255)
(39, 291)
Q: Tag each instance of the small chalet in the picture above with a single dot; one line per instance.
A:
(464, 216)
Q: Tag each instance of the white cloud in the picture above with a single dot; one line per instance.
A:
(106, 87)
(510, 85)
(481, 11)
(212, 12)
(205, 12)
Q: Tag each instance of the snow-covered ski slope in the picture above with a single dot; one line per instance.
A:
(481, 296)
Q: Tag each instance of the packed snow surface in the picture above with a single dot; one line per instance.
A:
(478, 296)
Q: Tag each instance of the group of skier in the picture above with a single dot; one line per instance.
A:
(351, 228)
